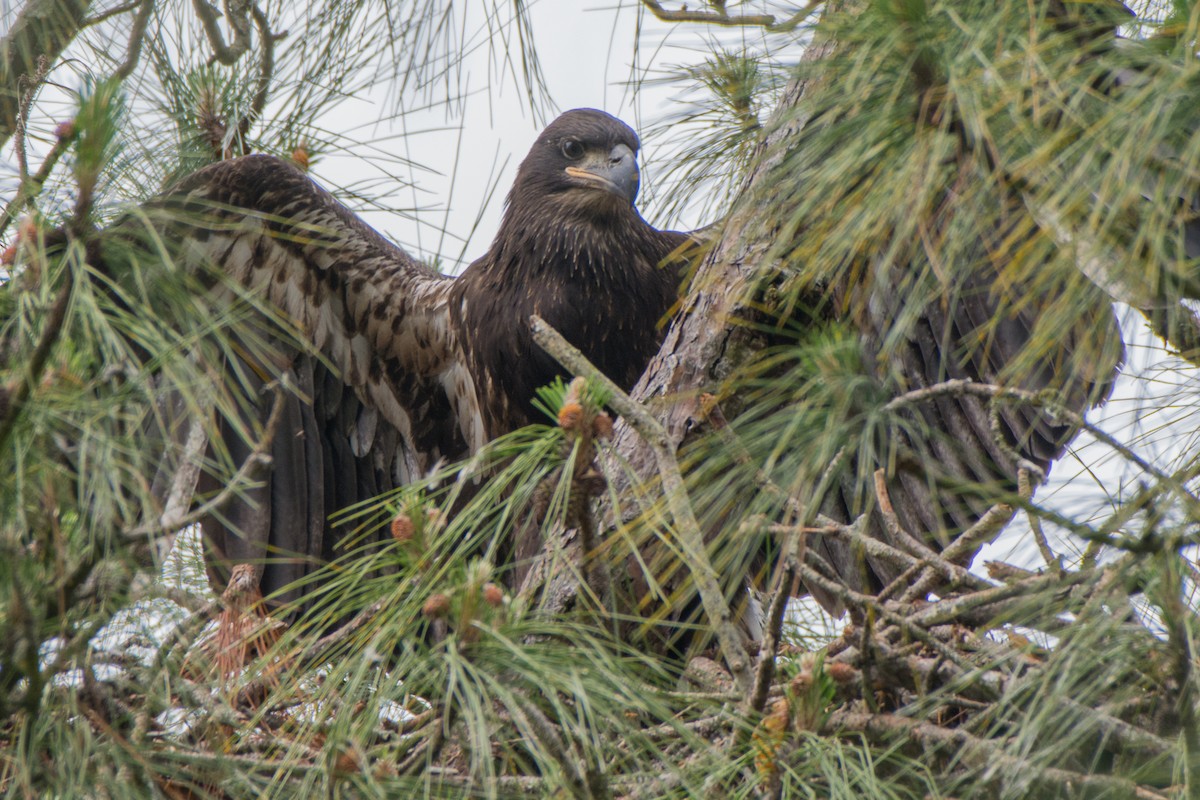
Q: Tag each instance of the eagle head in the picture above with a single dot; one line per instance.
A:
(585, 158)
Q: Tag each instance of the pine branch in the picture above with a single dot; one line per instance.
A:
(688, 527)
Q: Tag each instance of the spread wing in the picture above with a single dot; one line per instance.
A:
(390, 396)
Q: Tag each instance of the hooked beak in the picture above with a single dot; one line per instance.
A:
(616, 172)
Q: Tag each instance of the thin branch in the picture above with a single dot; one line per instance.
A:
(892, 522)
(859, 600)
(266, 64)
(719, 16)
(691, 539)
(137, 35)
(210, 21)
(938, 563)
(341, 634)
(110, 13)
(187, 474)
(1043, 401)
(27, 86)
(984, 606)
(30, 188)
(41, 31)
(785, 574)
(982, 753)
(984, 530)
(1025, 490)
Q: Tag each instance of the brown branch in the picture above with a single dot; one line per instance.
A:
(929, 559)
(857, 599)
(984, 606)
(27, 87)
(691, 539)
(1025, 490)
(341, 634)
(984, 530)
(891, 522)
(785, 574)
(210, 21)
(110, 13)
(266, 64)
(719, 16)
(982, 754)
(137, 34)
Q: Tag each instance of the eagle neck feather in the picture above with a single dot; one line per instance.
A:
(592, 273)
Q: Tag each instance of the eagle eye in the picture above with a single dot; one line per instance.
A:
(572, 149)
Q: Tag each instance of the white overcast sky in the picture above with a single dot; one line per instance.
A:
(590, 55)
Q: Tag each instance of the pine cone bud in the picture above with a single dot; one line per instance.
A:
(346, 763)
(27, 230)
(436, 606)
(570, 416)
(403, 528)
(66, 130)
(841, 672)
(301, 157)
(493, 595)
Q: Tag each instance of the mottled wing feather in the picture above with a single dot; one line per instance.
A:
(378, 314)
(398, 396)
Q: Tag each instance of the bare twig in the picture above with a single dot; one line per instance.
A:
(341, 634)
(27, 86)
(984, 530)
(110, 13)
(266, 64)
(1025, 490)
(688, 527)
(856, 599)
(980, 753)
(984, 606)
(187, 474)
(236, 13)
(720, 17)
(785, 574)
(1048, 404)
(137, 34)
(891, 522)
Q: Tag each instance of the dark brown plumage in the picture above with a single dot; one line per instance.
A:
(575, 251)
(430, 367)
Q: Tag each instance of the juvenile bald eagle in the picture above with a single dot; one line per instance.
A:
(430, 366)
